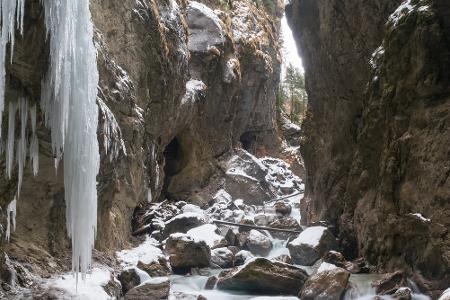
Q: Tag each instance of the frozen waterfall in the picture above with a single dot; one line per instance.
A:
(68, 101)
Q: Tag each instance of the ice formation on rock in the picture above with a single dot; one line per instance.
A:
(69, 103)
(11, 18)
(11, 218)
(69, 94)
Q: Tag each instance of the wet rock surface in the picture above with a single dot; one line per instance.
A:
(325, 285)
(158, 290)
(262, 276)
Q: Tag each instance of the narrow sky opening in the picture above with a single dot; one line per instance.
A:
(290, 53)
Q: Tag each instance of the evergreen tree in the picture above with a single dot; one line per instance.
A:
(293, 90)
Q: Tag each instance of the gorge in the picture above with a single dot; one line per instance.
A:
(144, 123)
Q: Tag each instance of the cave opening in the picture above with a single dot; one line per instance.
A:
(248, 141)
(173, 158)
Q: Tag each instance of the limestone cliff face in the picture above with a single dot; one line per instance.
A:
(377, 133)
(180, 85)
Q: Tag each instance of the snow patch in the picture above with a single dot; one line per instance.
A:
(404, 9)
(147, 252)
(420, 217)
(326, 267)
(91, 289)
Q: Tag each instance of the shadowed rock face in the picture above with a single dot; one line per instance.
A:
(377, 134)
(144, 63)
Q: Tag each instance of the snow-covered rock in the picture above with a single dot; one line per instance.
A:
(208, 234)
(222, 257)
(183, 222)
(258, 243)
(242, 257)
(285, 223)
(311, 244)
(185, 253)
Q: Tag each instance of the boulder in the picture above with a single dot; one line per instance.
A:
(285, 223)
(403, 293)
(241, 239)
(205, 28)
(186, 253)
(284, 259)
(153, 289)
(182, 223)
(311, 244)
(241, 257)
(245, 178)
(155, 269)
(209, 234)
(129, 278)
(262, 219)
(390, 283)
(264, 277)
(246, 222)
(211, 283)
(282, 208)
(335, 258)
(222, 257)
(329, 284)
(258, 243)
(228, 234)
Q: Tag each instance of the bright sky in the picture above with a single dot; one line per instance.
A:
(290, 54)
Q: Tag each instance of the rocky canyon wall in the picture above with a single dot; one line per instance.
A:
(180, 85)
(376, 138)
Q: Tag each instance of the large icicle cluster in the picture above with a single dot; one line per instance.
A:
(69, 102)
(69, 94)
(11, 17)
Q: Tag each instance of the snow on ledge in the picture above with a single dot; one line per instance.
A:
(420, 217)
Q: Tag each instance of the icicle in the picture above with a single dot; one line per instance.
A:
(22, 143)
(11, 137)
(11, 218)
(34, 144)
(149, 195)
(11, 16)
(69, 103)
(112, 134)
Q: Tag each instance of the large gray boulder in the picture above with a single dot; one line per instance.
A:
(258, 243)
(326, 285)
(154, 289)
(222, 258)
(311, 245)
(285, 223)
(264, 277)
(186, 253)
(205, 28)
